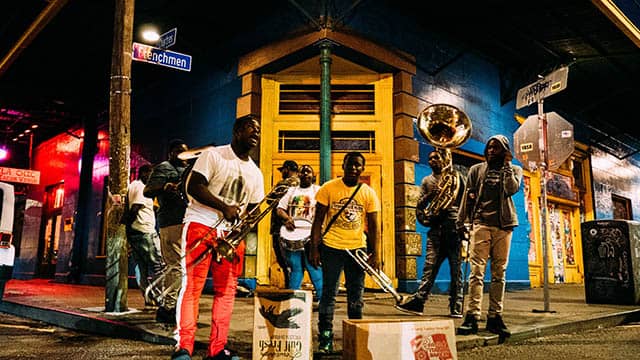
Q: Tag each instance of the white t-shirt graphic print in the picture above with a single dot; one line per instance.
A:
(300, 203)
(232, 179)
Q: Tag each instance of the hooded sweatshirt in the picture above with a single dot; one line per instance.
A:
(505, 182)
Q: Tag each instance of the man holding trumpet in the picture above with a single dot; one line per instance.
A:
(356, 206)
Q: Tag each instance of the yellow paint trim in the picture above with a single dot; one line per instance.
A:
(619, 19)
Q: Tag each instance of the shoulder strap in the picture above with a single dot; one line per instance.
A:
(333, 219)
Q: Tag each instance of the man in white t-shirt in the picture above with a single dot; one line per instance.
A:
(296, 210)
(223, 184)
(141, 232)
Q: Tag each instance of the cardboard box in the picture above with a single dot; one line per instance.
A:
(282, 325)
(389, 339)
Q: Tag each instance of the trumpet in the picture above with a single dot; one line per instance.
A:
(378, 276)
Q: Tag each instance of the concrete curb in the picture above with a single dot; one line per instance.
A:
(84, 323)
(610, 320)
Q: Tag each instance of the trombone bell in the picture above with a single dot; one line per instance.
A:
(378, 276)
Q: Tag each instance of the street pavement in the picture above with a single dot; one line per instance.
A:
(527, 314)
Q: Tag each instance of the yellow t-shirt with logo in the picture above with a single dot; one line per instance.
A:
(347, 232)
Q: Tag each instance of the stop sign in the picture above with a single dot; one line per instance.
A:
(528, 141)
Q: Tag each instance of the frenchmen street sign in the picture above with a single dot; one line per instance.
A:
(154, 55)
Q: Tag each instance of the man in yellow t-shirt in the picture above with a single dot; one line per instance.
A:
(347, 232)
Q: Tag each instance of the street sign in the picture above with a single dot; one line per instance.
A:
(167, 39)
(543, 88)
(154, 55)
(24, 176)
(527, 141)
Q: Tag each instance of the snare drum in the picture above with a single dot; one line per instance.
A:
(295, 240)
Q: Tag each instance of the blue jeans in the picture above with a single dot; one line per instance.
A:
(297, 262)
(146, 255)
(334, 261)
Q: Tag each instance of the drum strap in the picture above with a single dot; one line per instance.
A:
(333, 219)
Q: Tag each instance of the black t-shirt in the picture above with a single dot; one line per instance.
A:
(172, 205)
(488, 212)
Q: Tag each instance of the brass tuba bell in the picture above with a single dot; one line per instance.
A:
(445, 127)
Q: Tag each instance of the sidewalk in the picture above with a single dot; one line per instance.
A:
(81, 307)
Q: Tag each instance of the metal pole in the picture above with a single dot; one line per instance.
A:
(31, 150)
(30, 34)
(542, 169)
(325, 111)
(116, 268)
(83, 219)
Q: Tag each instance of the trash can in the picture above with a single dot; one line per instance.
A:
(611, 258)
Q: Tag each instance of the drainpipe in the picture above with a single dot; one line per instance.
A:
(325, 111)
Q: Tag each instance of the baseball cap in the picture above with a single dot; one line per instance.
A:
(289, 164)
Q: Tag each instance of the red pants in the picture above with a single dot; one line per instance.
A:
(225, 281)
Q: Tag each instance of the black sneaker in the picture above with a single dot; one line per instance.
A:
(496, 326)
(455, 311)
(413, 305)
(325, 341)
(224, 354)
(181, 354)
(469, 326)
(166, 316)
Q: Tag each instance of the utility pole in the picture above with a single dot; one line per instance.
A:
(116, 267)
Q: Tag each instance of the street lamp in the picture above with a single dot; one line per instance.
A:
(150, 34)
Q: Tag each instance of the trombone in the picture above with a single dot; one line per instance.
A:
(378, 276)
(224, 247)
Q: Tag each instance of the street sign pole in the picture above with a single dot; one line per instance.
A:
(537, 92)
(542, 143)
(544, 215)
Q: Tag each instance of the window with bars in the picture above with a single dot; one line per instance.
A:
(345, 99)
(341, 141)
